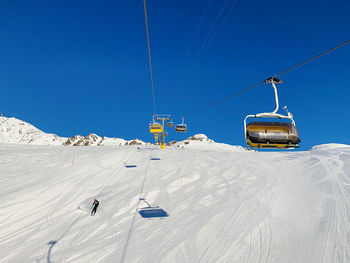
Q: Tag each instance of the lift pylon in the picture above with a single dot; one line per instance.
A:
(162, 118)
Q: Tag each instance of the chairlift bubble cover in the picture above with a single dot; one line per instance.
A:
(156, 128)
(272, 135)
(181, 128)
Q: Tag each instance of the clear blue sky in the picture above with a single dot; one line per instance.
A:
(77, 67)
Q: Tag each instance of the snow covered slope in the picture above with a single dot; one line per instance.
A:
(223, 206)
(202, 142)
(15, 131)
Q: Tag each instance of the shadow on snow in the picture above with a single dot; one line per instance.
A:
(151, 211)
(52, 243)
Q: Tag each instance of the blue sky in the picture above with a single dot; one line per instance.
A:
(77, 67)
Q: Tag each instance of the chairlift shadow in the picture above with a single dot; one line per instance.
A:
(52, 243)
(130, 165)
(151, 211)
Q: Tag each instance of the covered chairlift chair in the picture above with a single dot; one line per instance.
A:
(182, 127)
(271, 134)
(170, 124)
(155, 127)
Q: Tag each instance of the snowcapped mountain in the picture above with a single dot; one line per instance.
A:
(15, 131)
(95, 140)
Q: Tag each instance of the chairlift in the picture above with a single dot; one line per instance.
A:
(269, 134)
(182, 127)
(170, 124)
(155, 128)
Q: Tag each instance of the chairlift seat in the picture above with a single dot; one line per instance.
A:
(170, 124)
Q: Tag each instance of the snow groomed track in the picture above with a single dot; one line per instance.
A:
(223, 206)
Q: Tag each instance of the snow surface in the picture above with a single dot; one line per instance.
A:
(238, 206)
(202, 142)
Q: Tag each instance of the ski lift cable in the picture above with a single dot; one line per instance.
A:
(149, 56)
(219, 27)
(208, 45)
(264, 81)
(315, 57)
(197, 31)
(117, 172)
(199, 52)
(203, 47)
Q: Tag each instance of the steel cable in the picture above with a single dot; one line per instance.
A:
(149, 56)
(264, 81)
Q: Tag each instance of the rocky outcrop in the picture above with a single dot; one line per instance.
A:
(134, 142)
(199, 137)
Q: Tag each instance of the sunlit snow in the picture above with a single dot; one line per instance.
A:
(222, 205)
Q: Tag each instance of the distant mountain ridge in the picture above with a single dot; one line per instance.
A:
(15, 131)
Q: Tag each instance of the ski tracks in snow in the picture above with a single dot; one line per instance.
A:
(336, 241)
(223, 206)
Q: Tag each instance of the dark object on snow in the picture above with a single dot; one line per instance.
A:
(94, 206)
(131, 166)
(151, 211)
